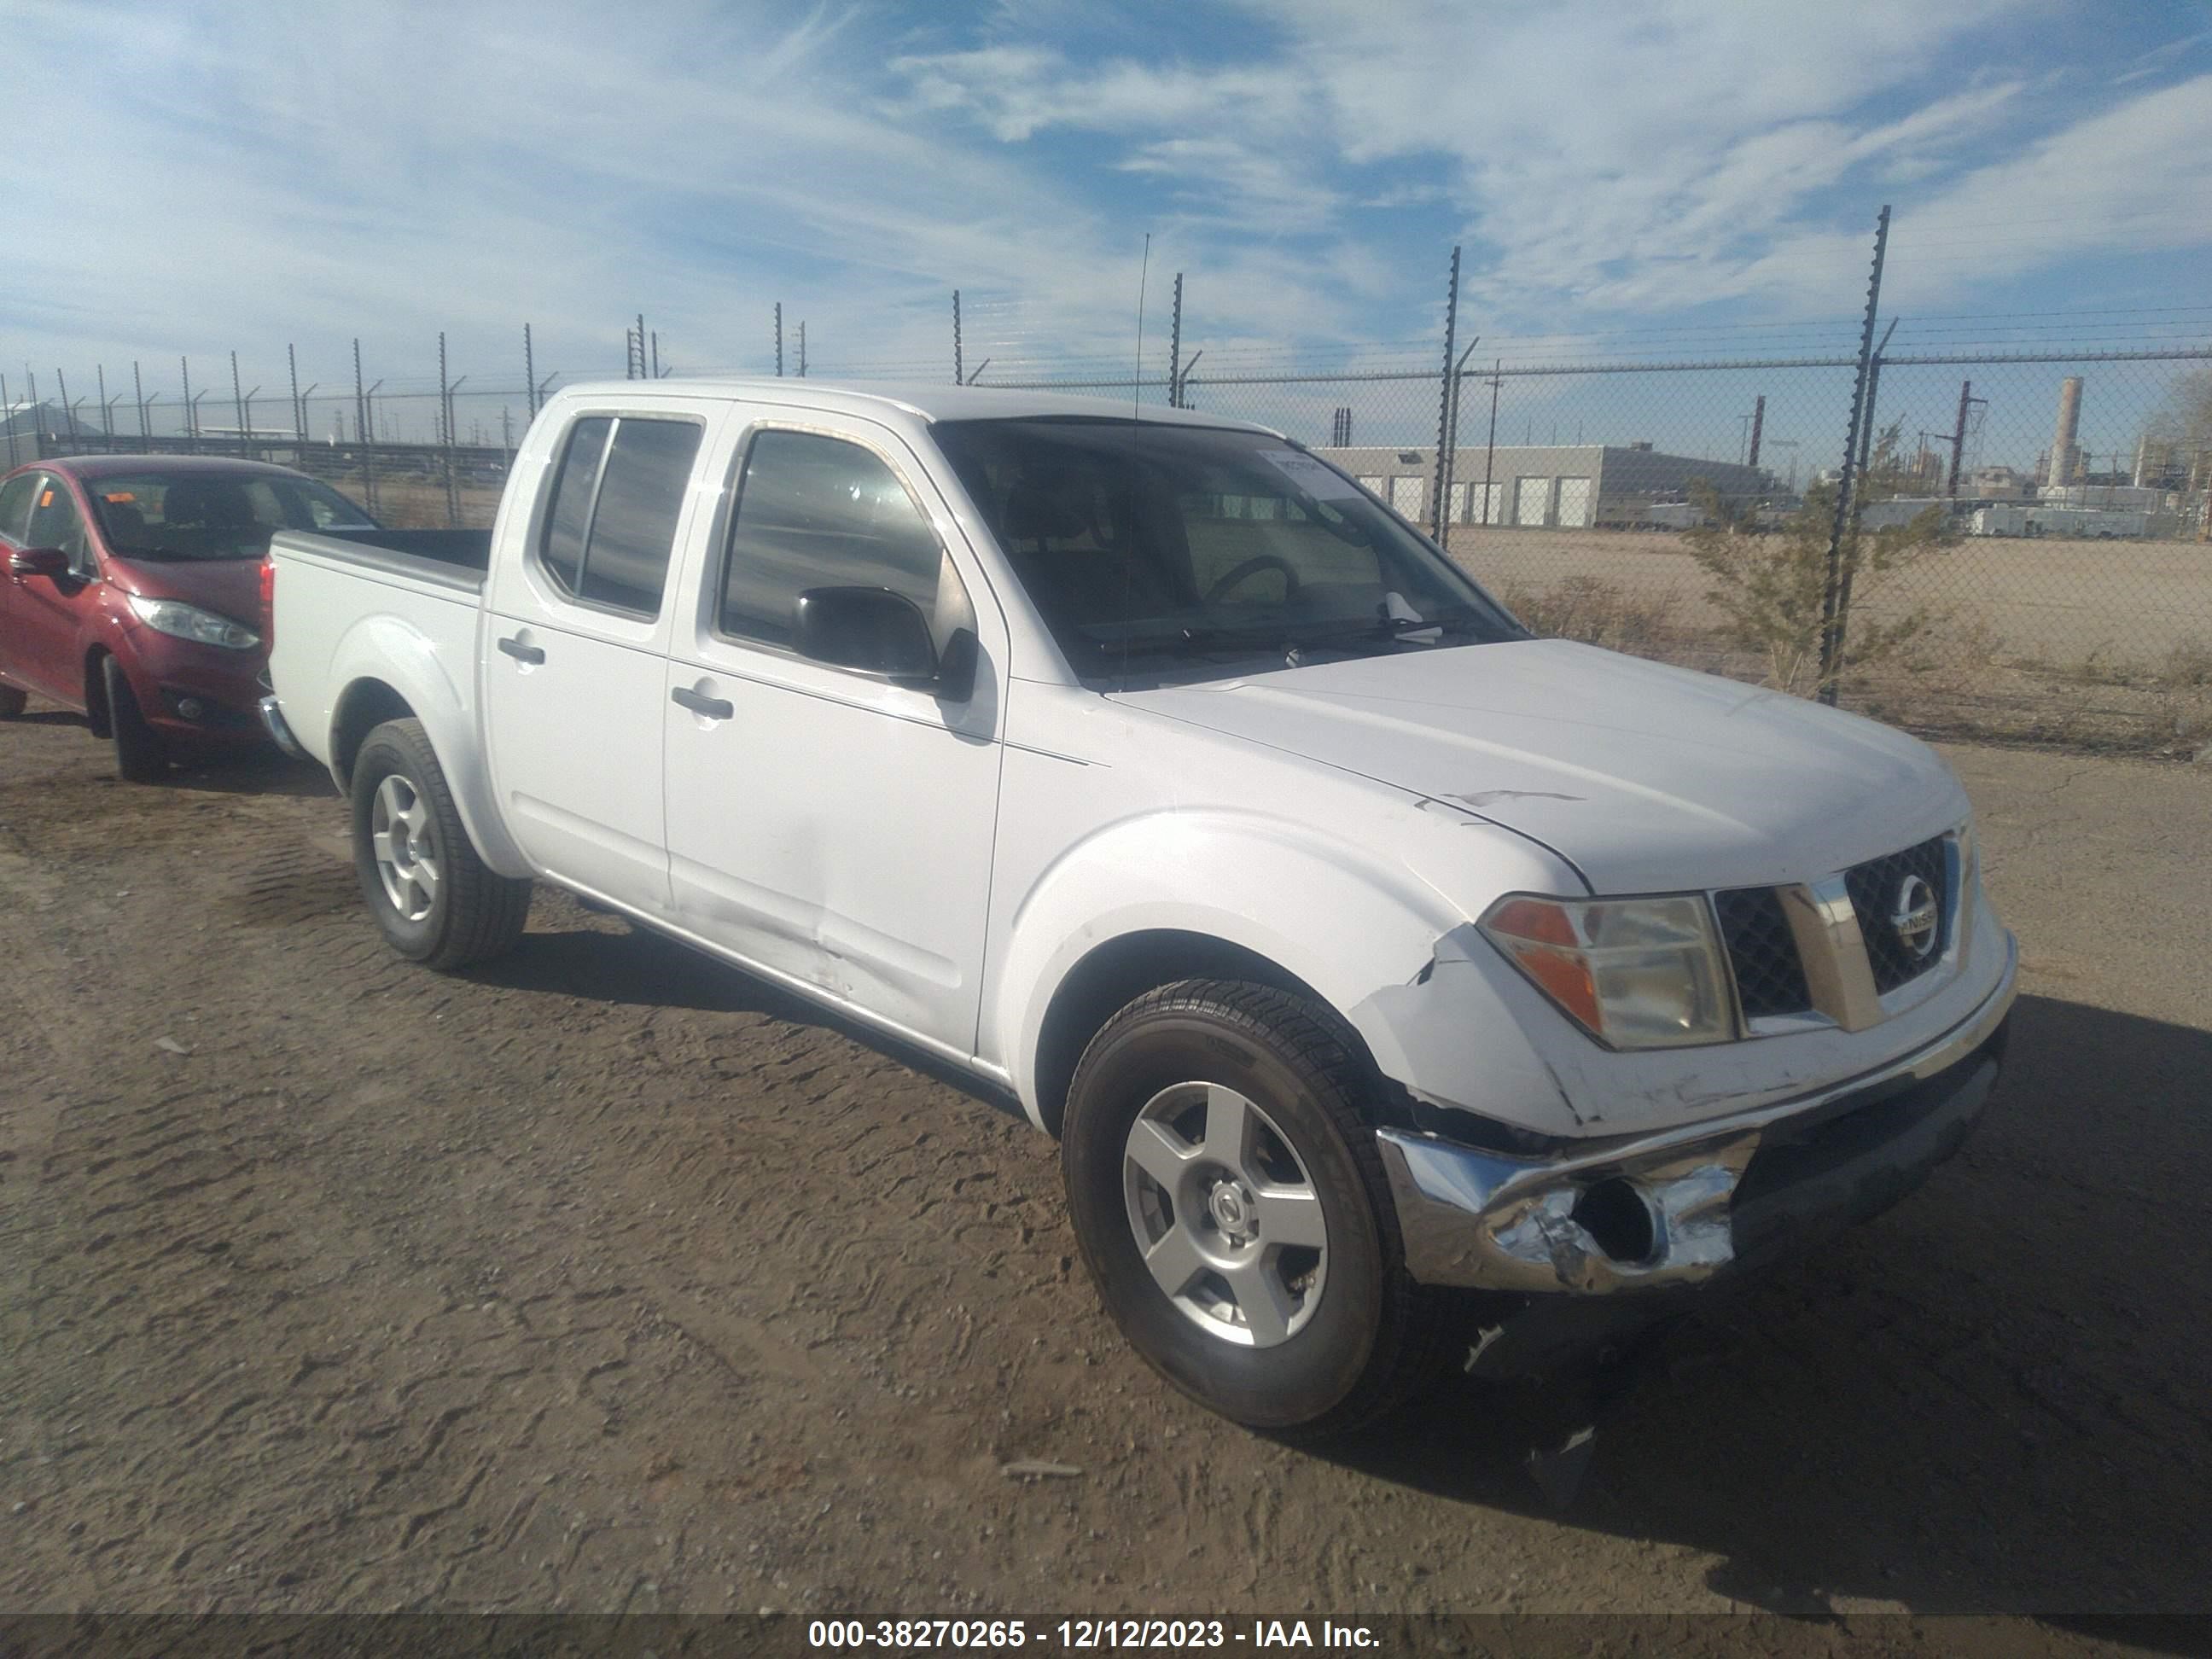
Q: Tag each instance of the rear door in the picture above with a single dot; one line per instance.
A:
(45, 614)
(574, 671)
(15, 498)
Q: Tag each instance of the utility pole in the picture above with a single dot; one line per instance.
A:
(1966, 400)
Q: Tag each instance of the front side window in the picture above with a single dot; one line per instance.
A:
(817, 511)
(617, 501)
(1150, 549)
(15, 498)
(55, 522)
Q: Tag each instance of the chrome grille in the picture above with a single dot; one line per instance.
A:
(1873, 887)
(1762, 952)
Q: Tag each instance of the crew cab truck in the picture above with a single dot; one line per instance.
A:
(1363, 951)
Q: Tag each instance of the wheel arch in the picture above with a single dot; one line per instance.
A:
(1116, 973)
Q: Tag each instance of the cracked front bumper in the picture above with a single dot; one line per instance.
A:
(1674, 1207)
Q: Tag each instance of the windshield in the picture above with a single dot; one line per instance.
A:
(212, 515)
(1156, 551)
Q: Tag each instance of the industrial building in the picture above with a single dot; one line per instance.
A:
(1562, 486)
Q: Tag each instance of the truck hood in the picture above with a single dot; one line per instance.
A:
(1646, 778)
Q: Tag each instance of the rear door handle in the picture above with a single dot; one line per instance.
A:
(521, 653)
(714, 708)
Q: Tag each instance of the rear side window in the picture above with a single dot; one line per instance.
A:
(562, 549)
(15, 505)
(641, 495)
(816, 512)
(616, 502)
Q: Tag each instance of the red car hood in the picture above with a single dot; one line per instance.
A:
(229, 587)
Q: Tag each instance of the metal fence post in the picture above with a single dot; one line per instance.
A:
(238, 405)
(529, 374)
(145, 429)
(7, 418)
(957, 378)
(299, 409)
(779, 339)
(1441, 474)
(1832, 632)
(1175, 350)
(192, 425)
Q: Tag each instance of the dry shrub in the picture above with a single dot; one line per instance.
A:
(1597, 611)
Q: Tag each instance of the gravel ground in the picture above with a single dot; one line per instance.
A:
(606, 1279)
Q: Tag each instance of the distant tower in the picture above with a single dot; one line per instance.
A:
(2065, 453)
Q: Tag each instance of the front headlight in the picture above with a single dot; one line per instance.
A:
(1635, 973)
(188, 622)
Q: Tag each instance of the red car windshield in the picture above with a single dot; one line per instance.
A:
(212, 515)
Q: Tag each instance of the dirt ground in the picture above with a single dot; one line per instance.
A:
(606, 1278)
(2049, 599)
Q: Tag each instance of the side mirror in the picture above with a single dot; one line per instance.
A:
(871, 629)
(40, 562)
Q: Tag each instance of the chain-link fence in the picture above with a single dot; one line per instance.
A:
(2023, 550)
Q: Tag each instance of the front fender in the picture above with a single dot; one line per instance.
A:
(387, 650)
(1358, 928)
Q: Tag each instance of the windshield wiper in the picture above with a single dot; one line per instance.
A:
(1388, 630)
(1193, 640)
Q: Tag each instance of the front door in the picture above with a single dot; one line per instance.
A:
(826, 825)
(46, 613)
(574, 668)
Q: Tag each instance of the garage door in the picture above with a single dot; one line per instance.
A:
(1409, 496)
(1575, 503)
(1532, 501)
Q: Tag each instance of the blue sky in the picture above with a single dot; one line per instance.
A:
(1687, 175)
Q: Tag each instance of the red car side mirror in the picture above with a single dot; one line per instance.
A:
(40, 562)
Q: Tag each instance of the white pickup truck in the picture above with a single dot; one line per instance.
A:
(1387, 974)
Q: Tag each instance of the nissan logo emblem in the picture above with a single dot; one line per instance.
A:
(1914, 917)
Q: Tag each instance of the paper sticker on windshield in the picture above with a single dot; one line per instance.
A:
(1323, 483)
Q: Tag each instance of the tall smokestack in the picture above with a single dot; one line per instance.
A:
(2065, 458)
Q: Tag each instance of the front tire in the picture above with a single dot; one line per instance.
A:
(141, 756)
(433, 898)
(1233, 1212)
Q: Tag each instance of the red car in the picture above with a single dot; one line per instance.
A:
(132, 592)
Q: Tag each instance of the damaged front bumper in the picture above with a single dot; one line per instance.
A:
(1676, 1207)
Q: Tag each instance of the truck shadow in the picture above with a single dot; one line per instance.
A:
(624, 964)
(1991, 1399)
(256, 771)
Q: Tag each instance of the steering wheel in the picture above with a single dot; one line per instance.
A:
(1252, 567)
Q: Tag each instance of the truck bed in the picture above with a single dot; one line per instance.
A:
(450, 558)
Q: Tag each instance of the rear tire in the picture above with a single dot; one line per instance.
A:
(12, 703)
(433, 898)
(141, 756)
(1233, 1212)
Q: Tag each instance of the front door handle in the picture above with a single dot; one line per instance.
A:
(714, 708)
(515, 648)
